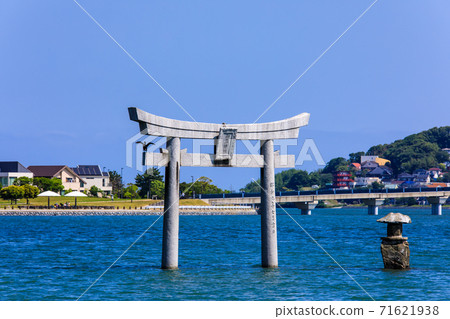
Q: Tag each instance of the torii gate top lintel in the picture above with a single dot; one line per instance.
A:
(160, 126)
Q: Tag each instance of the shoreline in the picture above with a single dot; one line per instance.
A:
(124, 212)
(393, 207)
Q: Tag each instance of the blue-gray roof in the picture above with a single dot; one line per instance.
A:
(13, 167)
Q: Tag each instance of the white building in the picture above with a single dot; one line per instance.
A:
(92, 175)
(366, 181)
(10, 171)
(368, 158)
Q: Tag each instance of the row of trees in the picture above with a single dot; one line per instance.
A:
(24, 187)
(14, 192)
(293, 179)
(151, 183)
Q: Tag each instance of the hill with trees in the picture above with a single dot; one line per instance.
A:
(417, 151)
(422, 150)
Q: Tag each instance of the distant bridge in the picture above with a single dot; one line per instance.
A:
(307, 200)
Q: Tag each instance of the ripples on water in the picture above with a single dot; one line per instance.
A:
(57, 258)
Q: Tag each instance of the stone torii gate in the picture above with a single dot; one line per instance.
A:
(225, 137)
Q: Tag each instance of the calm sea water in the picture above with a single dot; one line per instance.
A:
(57, 258)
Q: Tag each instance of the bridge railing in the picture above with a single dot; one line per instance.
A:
(330, 192)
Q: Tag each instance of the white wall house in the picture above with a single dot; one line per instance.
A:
(92, 175)
(366, 181)
(368, 158)
(10, 171)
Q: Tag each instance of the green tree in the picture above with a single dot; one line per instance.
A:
(377, 185)
(253, 187)
(94, 190)
(144, 181)
(116, 183)
(335, 165)
(411, 201)
(30, 191)
(12, 193)
(355, 157)
(203, 185)
(131, 192)
(446, 178)
(23, 180)
(46, 184)
(157, 188)
(298, 180)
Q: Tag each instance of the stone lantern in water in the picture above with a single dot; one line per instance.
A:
(394, 247)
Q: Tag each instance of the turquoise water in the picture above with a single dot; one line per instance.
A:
(57, 258)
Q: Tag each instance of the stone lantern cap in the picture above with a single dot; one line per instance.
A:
(395, 218)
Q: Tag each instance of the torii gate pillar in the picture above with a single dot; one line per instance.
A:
(171, 206)
(269, 250)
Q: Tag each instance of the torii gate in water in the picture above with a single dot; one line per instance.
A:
(225, 137)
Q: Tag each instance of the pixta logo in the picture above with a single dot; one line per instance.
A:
(145, 151)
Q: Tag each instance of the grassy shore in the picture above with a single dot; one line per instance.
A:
(95, 201)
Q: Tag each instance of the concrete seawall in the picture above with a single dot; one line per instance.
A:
(207, 211)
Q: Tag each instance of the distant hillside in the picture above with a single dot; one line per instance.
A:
(421, 150)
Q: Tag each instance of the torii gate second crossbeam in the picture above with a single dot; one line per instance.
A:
(225, 137)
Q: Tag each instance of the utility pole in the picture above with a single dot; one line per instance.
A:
(121, 181)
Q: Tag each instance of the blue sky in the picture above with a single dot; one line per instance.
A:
(65, 85)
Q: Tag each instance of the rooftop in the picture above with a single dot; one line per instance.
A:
(89, 170)
(46, 170)
(13, 167)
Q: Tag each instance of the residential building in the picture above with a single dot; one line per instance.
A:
(421, 176)
(366, 181)
(69, 179)
(368, 158)
(93, 176)
(405, 177)
(392, 184)
(382, 161)
(435, 185)
(10, 171)
(342, 179)
(356, 166)
(369, 165)
(373, 158)
(435, 172)
(382, 172)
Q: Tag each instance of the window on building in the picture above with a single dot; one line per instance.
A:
(11, 180)
(4, 181)
(69, 180)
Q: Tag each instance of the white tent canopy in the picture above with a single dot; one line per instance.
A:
(75, 194)
(48, 194)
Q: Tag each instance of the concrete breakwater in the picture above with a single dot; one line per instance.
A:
(150, 211)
